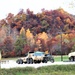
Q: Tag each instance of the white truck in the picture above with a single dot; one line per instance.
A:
(35, 57)
(71, 56)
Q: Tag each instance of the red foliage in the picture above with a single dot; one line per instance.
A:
(12, 53)
(26, 49)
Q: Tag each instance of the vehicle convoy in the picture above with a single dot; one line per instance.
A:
(35, 57)
(71, 56)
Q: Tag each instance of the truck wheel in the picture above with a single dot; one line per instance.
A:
(45, 60)
(28, 61)
(39, 61)
(31, 61)
(35, 61)
(71, 59)
(20, 61)
(52, 60)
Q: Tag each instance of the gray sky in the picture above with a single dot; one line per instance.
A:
(13, 6)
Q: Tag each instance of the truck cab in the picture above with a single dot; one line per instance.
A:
(71, 56)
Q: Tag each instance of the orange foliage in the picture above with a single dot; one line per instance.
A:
(58, 18)
(43, 36)
(71, 35)
(38, 42)
(68, 20)
(29, 35)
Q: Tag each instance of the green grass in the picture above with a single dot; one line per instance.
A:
(58, 58)
(13, 58)
(46, 70)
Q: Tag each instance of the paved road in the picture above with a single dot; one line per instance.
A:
(13, 64)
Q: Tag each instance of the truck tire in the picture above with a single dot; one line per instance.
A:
(52, 60)
(20, 61)
(45, 60)
(71, 58)
(35, 61)
(28, 61)
(31, 61)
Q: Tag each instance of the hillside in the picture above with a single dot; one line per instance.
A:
(48, 23)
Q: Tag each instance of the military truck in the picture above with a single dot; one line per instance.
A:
(71, 56)
(35, 57)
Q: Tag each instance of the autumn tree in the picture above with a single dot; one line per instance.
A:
(9, 18)
(23, 33)
(7, 46)
(43, 36)
(26, 49)
(26, 26)
(14, 34)
(20, 42)
(30, 38)
(2, 35)
(19, 45)
(73, 48)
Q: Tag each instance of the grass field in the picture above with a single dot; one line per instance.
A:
(47, 70)
(56, 58)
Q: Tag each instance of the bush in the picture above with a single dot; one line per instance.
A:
(46, 70)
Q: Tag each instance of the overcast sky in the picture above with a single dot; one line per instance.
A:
(13, 6)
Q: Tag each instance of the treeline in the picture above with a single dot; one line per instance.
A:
(27, 31)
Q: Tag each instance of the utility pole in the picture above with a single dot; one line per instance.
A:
(0, 59)
(61, 48)
(61, 44)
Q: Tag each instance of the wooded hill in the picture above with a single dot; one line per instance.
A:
(27, 31)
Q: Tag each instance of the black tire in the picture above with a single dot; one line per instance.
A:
(45, 60)
(31, 61)
(71, 59)
(20, 61)
(39, 61)
(28, 61)
(52, 60)
(35, 61)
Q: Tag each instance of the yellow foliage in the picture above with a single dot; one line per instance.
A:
(46, 52)
(63, 36)
(66, 36)
(57, 37)
(22, 31)
(32, 41)
(61, 10)
(29, 35)
(38, 42)
(43, 36)
(68, 20)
